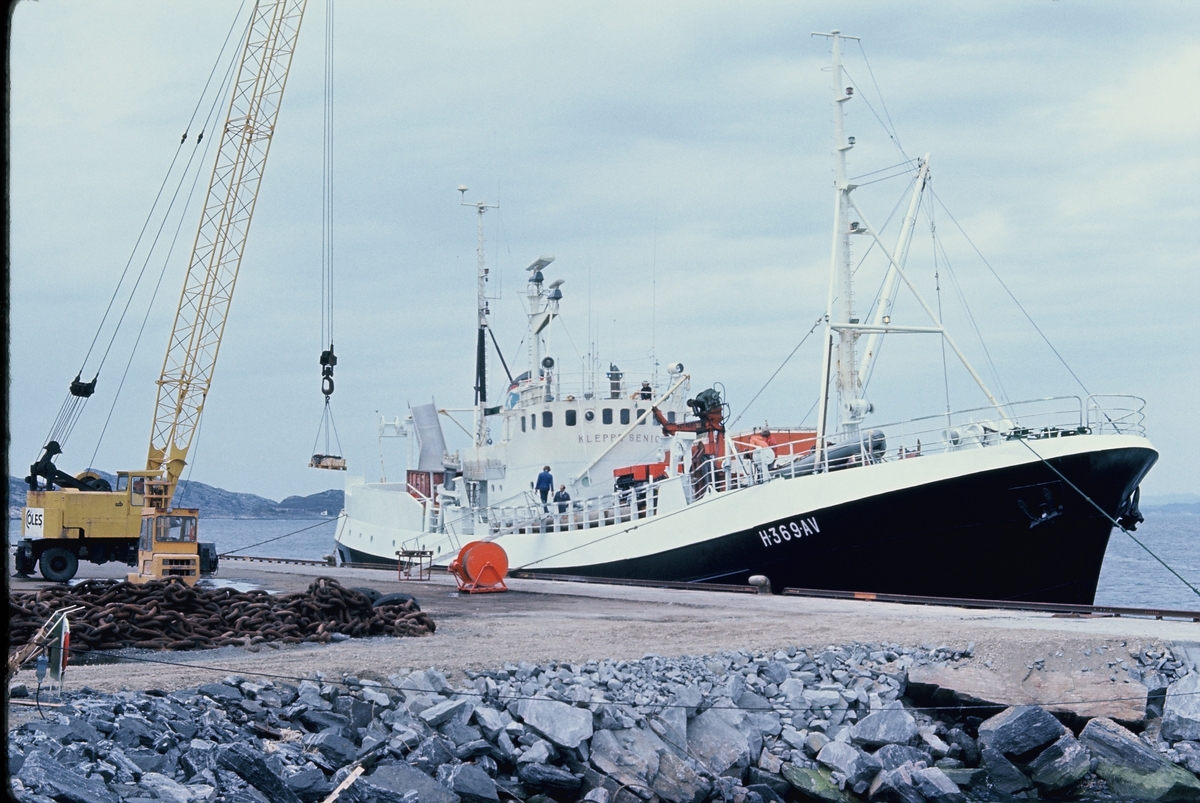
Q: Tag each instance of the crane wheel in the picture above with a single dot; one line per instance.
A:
(58, 565)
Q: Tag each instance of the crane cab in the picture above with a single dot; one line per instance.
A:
(168, 546)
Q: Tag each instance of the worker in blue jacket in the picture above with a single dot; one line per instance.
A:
(544, 485)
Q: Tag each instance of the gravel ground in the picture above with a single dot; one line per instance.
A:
(543, 621)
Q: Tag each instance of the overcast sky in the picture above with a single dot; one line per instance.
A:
(673, 156)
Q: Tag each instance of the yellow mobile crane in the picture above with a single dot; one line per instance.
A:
(84, 517)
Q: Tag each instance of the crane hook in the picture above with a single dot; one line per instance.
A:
(328, 360)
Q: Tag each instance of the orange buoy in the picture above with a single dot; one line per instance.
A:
(480, 567)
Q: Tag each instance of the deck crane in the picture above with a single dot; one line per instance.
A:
(84, 518)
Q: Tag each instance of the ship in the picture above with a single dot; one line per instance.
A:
(1009, 500)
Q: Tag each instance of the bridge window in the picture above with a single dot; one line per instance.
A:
(522, 423)
(533, 420)
(624, 415)
(671, 417)
(606, 415)
(570, 418)
(547, 419)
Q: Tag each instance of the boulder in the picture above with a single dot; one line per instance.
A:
(489, 720)
(221, 692)
(401, 778)
(676, 782)
(316, 721)
(41, 772)
(890, 725)
(774, 672)
(1181, 709)
(1061, 764)
(249, 765)
(547, 778)
(166, 789)
(336, 749)
(430, 754)
(936, 787)
(718, 745)
(1019, 730)
(839, 756)
(565, 725)
(1132, 768)
(472, 784)
(891, 756)
(966, 777)
(1003, 774)
(629, 756)
(442, 712)
(815, 784)
(1070, 693)
(895, 786)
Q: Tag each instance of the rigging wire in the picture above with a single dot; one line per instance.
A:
(327, 185)
(157, 197)
(188, 198)
(80, 392)
(891, 127)
(786, 359)
(232, 552)
(937, 286)
(992, 270)
(962, 299)
(328, 360)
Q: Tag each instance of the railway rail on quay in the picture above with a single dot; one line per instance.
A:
(865, 596)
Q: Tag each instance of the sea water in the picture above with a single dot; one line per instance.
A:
(1131, 577)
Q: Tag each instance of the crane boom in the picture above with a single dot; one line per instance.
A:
(221, 238)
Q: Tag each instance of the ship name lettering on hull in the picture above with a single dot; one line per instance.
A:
(633, 437)
(786, 532)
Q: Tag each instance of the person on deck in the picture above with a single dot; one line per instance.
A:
(646, 392)
(563, 498)
(544, 485)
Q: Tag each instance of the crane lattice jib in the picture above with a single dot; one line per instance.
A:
(221, 239)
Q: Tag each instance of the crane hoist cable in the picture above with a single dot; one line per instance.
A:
(79, 391)
(327, 459)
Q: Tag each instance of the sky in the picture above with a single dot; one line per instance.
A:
(675, 159)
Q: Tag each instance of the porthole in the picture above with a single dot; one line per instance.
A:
(589, 415)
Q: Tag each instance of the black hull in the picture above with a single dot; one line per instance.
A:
(1018, 533)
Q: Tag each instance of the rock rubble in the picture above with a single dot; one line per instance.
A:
(830, 724)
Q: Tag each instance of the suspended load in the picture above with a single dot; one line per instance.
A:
(334, 462)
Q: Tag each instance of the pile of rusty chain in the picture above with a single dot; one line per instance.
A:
(169, 615)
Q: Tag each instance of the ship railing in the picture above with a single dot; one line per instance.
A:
(576, 386)
(1116, 414)
(980, 427)
(621, 507)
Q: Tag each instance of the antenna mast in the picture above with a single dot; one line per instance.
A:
(481, 341)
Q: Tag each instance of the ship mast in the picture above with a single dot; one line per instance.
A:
(842, 325)
(840, 342)
(481, 302)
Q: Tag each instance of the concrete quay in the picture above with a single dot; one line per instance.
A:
(1071, 663)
